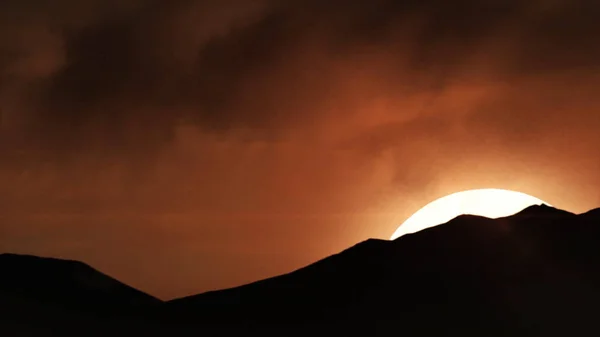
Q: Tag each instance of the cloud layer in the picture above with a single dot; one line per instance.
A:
(273, 110)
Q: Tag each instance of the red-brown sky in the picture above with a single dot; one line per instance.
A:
(183, 146)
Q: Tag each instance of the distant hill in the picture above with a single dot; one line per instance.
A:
(64, 297)
(71, 284)
(536, 273)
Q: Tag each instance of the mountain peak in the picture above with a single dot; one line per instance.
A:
(542, 210)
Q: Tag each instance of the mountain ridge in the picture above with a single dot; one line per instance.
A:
(470, 259)
(543, 209)
(532, 273)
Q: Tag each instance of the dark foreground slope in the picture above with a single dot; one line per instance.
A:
(534, 273)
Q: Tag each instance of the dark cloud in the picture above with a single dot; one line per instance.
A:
(230, 64)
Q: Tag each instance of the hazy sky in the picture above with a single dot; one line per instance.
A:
(182, 146)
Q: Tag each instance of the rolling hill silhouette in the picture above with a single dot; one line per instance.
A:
(72, 284)
(535, 273)
(42, 296)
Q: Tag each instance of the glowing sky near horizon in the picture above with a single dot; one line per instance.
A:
(489, 203)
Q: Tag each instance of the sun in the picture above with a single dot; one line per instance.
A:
(489, 202)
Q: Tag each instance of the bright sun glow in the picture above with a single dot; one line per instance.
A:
(490, 203)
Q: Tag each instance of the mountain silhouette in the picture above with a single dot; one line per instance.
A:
(70, 283)
(532, 273)
(535, 273)
(62, 296)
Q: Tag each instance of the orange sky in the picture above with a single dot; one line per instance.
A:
(186, 146)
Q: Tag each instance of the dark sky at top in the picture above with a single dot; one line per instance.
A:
(189, 145)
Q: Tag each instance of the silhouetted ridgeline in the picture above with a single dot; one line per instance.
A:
(533, 273)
